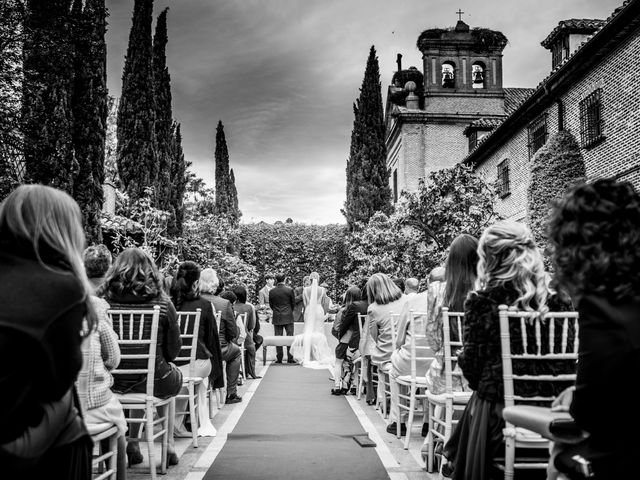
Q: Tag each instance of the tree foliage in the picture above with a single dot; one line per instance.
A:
(48, 83)
(226, 193)
(450, 202)
(12, 14)
(555, 167)
(89, 105)
(137, 148)
(164, 112)
(179, 179)
(368, 188)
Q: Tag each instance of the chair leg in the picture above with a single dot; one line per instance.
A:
(112, 463)
(412, 406)
(430, 438)
(509, 458)
(148, 432)
(192, 415)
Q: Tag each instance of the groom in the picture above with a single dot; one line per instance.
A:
(282, 301)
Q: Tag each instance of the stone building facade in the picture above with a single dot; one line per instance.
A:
(461, 91)
(591, 92)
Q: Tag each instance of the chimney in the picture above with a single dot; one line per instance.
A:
(399, 62)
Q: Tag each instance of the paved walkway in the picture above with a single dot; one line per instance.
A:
(194, 462)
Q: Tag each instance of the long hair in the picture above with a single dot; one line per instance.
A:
(48, 221)
(382, 290)
(594, 232)
(352, 294)
(508, 254)
(460, 271)
(133, 272)
(187, 275)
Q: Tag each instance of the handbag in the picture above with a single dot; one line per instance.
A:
(559, 427)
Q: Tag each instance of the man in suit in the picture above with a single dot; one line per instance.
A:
(228, 332)
(298, 311)
(282, 301)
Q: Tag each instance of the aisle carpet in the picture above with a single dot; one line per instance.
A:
(294, 428)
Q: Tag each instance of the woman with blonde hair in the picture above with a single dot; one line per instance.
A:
(134, 283)
(510, 272)
(46, 314)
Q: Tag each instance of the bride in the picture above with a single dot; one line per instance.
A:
(311, 349)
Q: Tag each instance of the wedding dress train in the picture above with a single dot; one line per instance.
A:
(311, 348)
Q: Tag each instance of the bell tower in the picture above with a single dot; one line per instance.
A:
(429, 113)
(463, 62)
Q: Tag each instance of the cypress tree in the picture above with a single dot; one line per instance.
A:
(179, 181)
(223, 200)
(137, 150)
(556, 166)
(47, 87)
(233, 194)
(368, 188)
(89, 107)
(164, 114)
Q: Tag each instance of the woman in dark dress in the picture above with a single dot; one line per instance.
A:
(510, 271)
(46, 313)
(134, 283)
(595, 235)
(241, 307)
(348, 335)
(185, 294)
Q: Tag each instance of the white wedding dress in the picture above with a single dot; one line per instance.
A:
(311, 349)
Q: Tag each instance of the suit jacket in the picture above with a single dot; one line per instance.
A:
(228, 328)
(609, 361)
(282, 301)
(298, 311)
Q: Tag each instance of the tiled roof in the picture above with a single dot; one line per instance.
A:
(577, 52)
(483, 124)
(513, 97)
(577, 25)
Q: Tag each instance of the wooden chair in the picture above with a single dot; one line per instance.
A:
(416, 382)
(105, 447)
(137, 332)
(441, 424)
(358, 363)
(553, 337)
(189, 327)
(384, 378)
(217, 395)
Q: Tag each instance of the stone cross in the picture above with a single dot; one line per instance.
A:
(459, 13)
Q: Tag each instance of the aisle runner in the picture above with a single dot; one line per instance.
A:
(294, 428)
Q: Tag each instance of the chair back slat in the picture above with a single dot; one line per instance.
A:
(137, 332)
(189, 323)
(450, 321)
(420, 352)
(543, 339)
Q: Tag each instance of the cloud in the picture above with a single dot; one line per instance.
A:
(282, 76)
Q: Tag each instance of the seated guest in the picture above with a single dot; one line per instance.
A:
(401, 356)
(242, 331)
(133, 282)
(510, 272)
(242, 307)
(101, 354)
(386, 298)
(436, 275)
(595, 235)
(209, 290)
(185, 294)
(459, 280)
(411, 286)
(46, 314)
(348, 334)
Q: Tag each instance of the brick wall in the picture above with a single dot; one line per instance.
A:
(445, 146)
(617, 156)
(468, 105)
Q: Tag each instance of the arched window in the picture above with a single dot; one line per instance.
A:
(478, 72)
(448, 75)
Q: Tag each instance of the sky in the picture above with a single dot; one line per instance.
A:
(283, 75)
